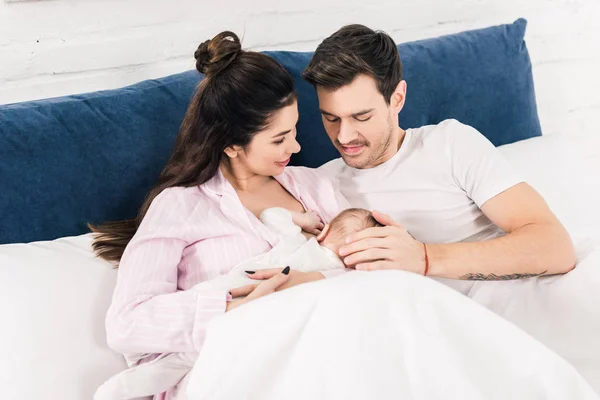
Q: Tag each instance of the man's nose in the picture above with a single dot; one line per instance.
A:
(347, 133)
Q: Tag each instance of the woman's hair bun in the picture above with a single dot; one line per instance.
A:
(213, 56)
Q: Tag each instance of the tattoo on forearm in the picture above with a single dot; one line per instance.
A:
(494, 277)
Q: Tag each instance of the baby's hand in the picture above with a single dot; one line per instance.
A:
(309, 222)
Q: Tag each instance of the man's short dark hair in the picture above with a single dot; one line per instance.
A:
(356, 50)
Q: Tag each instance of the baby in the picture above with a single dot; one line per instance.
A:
(293, 250)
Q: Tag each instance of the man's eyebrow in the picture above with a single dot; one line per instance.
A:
(363, 112)
(327, 113)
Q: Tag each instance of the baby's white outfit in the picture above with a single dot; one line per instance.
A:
(164, 372)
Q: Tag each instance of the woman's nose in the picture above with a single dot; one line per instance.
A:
(294, 147)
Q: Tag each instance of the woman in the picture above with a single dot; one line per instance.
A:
(201, 219)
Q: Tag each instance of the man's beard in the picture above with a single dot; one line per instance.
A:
(376, 155)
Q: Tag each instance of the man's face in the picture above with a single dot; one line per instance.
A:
(360, 123)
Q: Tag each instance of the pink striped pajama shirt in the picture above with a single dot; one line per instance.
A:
(190, 235)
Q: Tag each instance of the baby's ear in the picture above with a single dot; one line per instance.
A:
(323, 233)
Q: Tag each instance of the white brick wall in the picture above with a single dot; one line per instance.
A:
(52, 48)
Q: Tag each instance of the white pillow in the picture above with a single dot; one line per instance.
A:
(52, 342)
(559, 311)
(565, 169)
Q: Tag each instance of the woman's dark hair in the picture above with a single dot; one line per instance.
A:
(239, 94)
(355, 50)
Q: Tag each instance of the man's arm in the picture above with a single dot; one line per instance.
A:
(536, 243)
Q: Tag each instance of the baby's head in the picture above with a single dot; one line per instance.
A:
(348, 221)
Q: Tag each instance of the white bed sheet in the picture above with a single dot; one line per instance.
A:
(562, 312)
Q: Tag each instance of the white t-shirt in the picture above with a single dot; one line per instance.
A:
(434, 185)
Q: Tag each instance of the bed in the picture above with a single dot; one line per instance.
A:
(92, 157)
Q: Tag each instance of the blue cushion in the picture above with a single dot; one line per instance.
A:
(85, 158)
(482, 78)
(93, 157)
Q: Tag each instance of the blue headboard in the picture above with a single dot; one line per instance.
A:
(93, 157)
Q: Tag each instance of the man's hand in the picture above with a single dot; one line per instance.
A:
(388, 247)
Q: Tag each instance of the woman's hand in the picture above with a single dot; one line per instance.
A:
(277, 280)
(295, 277)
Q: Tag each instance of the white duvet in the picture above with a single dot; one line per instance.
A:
(380, 335)
(376, 335)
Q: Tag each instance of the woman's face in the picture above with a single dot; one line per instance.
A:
(270, 150)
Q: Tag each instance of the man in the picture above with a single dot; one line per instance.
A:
(456, 209)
